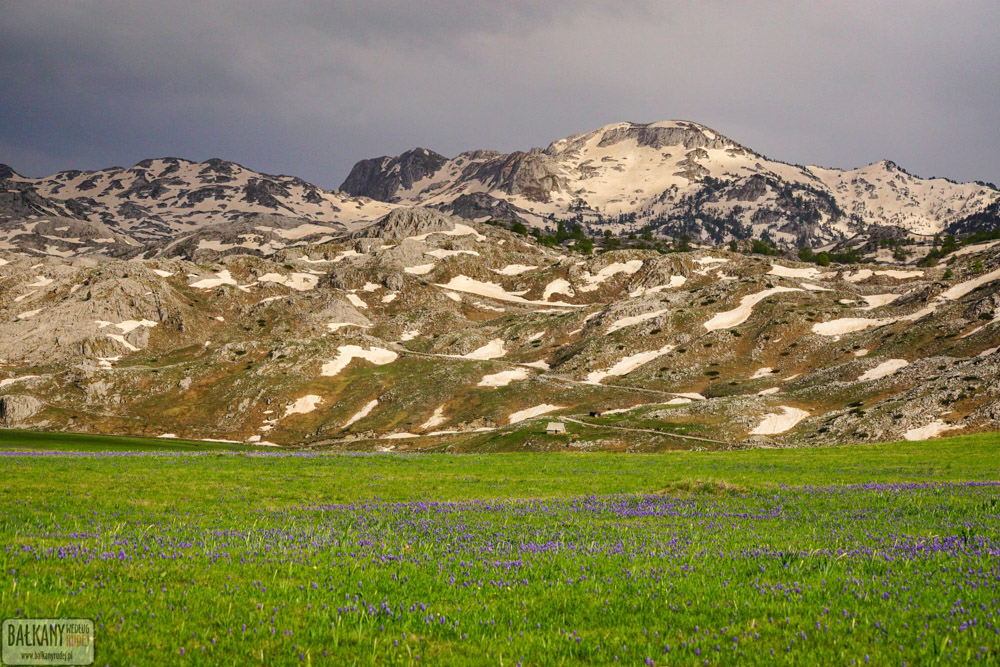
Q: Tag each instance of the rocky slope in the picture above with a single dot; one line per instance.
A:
(427, 330)
(163, 198)
(678, 177)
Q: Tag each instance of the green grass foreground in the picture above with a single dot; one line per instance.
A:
(870, 553)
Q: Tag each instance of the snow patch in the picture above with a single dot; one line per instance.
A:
(627, 364)
(440, 253)
(300, 282)
(9, 381)
(901, 275)
(535, 411)
(593, 281)
(775, 423)
(221, 278)
(633, 319)
(492, 350)
(362, 413)
(420, 269)
(357, 301)
(557, 286)
(961, 289)
(435, 419)
(335, 326)
(932, 430)
(789, 272)
(877, 300)
(347, 353)
(503, 378)
(494, 291)
(675, 281)
(458, 230)
(741, 313)
(515, 269)
(885, 368)
(846, 325)
(303, 405)
(121, 339)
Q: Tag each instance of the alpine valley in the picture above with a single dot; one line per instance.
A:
(653, 286)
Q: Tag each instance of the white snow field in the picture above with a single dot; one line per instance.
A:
(961, 289)
(932, 430)
(742, 312)
(303, 405)
(458, 230)
(780, 422)
(492, 350)
(222, 278)
(535, 411)
(515, 269)
(877, 300)
(846, 325)
(362, 413)
(357, 301)
(436, 419)
(420, 269)
(441, 253)
(347, 353)
(627, 364)
(633, 319)
(503, 378)
(557, 286)
(593, 281)
(790, 272)
(675, 281)
(335, 326)
(299, 282)
(9, 381)
(885, 368)
(127, 326)
(494, 291)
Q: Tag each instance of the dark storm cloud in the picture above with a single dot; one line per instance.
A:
(308, 89)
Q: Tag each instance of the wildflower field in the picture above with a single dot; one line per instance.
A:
(878, 554)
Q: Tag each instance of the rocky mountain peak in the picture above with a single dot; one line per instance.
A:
(404, 222)
(382, 178)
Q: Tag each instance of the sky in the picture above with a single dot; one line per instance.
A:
(310, 88)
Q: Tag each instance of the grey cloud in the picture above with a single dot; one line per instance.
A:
(309, 88)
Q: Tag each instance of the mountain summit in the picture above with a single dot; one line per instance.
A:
(677, 177)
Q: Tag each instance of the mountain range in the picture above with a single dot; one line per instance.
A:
(406, 311)
(674, 178)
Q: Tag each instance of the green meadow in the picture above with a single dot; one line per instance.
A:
(204, 553)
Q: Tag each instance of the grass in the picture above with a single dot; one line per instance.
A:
(824, 555)
(16, 440)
